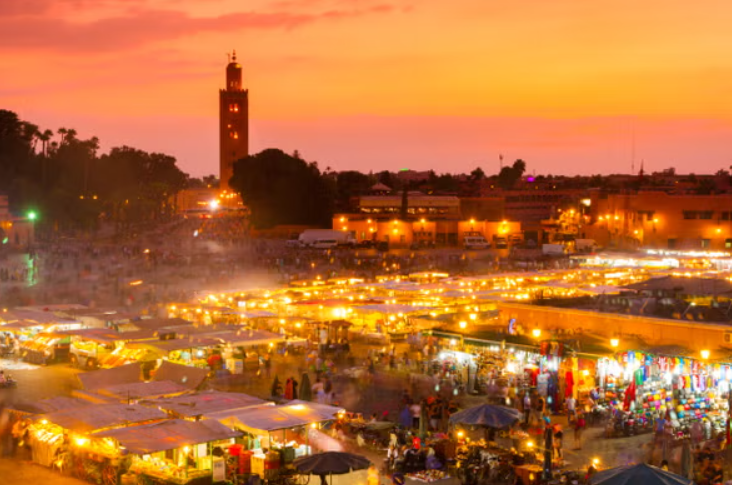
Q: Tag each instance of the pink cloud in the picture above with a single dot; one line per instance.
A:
(146, 26)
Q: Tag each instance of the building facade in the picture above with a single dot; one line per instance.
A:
(662, 221)
(233, 122)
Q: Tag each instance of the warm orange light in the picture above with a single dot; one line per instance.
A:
(614, 342)
(536, 332)
(705, 354)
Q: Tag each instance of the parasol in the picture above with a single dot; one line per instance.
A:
(488, 415)
(330, 463)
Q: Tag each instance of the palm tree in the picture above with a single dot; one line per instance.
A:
(62, 131)
(45, 137)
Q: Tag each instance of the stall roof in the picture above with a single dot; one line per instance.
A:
(98, 379)
(168, 435)
(156, 324)
(243, 338)
(271, 418)
(39, 316)
(185, 375)
(256, 314)
(392, 308)
(141, 390)
(50, 405)
(259, 420)
(19, 326)
(166, 346)
(203, 403)
(687, 286)
(312, 410)
(90, 418)
(99, 335)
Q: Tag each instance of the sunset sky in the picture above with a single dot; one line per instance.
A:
(570, 86)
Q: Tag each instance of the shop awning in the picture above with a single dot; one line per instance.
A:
(88, 418)
(205, 403)
(168, 435)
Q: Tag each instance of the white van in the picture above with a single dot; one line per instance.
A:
(475, 242)
(324, 244)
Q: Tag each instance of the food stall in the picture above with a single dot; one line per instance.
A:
(46, 348)
(174, 452)
(276, 435)
(684, 389)
(63, 439)
(13, 335)
(184, 351)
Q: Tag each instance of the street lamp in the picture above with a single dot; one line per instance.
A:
(614, 342)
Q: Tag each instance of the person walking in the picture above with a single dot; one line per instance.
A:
(579, 426)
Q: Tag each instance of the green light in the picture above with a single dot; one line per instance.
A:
(32, 215)
(5, 240)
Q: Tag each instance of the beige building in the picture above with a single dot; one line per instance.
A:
(431, 219)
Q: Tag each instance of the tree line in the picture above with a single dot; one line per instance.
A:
(282, 189)
(65, 181)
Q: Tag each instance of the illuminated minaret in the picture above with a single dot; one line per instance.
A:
(233, 122)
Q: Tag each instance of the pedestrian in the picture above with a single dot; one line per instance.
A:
(558, 436)
(571, 404)
(579, 426)
(527, 409)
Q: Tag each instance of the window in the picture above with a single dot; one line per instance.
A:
(690, 214)
(728, 244)
(672, 243)
(724, 215)
(706, 243)
(234, 135)
(234, 108)
(707, 215)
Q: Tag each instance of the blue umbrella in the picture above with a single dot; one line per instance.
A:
(487, 415)
(641, 474)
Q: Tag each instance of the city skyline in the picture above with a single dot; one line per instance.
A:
(568, 87)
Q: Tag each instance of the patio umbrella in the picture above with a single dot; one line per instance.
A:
(306, 393)
(641, 474)
(487, 415)
(330, 463)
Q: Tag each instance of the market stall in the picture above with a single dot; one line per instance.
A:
(63, 439)
(692, 394)
(173, 451)
(46, 348)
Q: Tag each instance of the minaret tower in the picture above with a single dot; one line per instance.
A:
(233, 122)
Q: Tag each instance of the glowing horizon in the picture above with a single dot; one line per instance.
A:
(567, 86)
